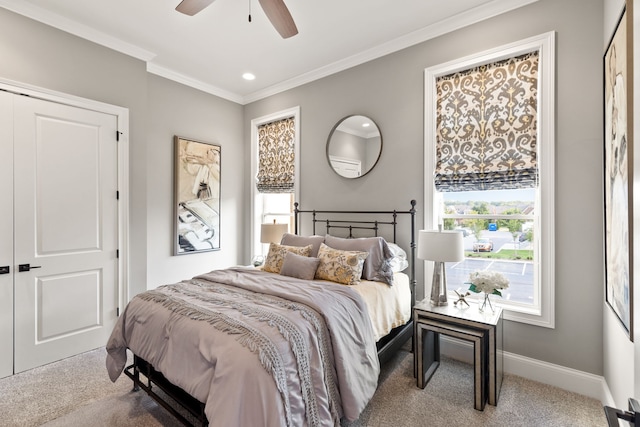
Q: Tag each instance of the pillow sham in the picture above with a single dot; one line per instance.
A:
(275, 257)
(376, 266)
(295, 240)
(299, 266)
(398, 261)
(339, 266)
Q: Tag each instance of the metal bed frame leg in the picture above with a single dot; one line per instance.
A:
(136, 379)
(179, 396)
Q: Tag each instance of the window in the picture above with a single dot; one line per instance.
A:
(489, 144)
(275, 167)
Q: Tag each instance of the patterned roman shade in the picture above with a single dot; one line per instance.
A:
(486, 126)
(276, 156)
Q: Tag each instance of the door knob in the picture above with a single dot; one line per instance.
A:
(5, 269)
(27, 267)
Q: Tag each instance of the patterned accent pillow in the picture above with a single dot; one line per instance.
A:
(275, 257)
(377, 266)
(338, 266)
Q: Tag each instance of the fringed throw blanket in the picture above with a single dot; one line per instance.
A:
(256, 347)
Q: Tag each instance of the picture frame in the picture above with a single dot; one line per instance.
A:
(618, 170)
(196, 196)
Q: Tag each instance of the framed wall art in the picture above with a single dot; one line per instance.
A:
(618, 171)
(196, 196)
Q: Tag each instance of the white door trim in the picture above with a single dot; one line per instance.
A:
(122, 115)
(6, 231)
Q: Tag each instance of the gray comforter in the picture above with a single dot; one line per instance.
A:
(257, 348)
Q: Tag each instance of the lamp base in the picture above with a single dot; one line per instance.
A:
(439, 285)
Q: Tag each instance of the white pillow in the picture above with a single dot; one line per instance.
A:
(399, 260)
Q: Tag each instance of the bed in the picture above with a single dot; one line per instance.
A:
(294, 349)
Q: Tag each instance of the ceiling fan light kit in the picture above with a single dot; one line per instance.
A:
(275, 10)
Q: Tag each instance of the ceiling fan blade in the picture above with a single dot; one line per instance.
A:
(191, 7)
(280, 17)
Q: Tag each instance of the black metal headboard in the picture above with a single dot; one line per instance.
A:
(364, 220)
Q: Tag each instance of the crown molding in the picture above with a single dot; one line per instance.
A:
(469, 17)
(168, 73)
(461, 20)
(77, 29)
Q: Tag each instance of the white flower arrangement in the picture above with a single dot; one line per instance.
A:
(489, 282)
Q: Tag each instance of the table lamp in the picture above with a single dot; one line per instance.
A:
(269, 233)
(272, 233)
(440, 246)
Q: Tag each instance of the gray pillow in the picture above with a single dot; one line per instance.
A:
(376, 266)
(299, 266)
(295, 240)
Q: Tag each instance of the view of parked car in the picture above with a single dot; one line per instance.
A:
(483, 245)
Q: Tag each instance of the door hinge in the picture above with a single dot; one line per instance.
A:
(117, 311)
(117, 253)
(118, 133)
(117, 195)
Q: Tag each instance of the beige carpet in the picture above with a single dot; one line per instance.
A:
(77, 392)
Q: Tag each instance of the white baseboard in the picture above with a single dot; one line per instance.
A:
(569, 379)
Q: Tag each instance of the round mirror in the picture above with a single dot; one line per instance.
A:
(354, 146)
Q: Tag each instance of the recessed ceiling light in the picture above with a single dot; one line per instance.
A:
(248, 76)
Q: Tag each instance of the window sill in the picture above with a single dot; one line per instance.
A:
(515, 313)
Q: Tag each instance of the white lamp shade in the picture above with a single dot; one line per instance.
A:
(272, 233)
(434, 245)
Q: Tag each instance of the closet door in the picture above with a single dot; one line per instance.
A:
(6, 234)
(65, 184)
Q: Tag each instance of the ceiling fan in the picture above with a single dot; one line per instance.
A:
(275, 10)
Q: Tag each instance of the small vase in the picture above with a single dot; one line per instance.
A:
(487, 301)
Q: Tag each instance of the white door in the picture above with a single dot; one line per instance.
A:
(346, 167)
(6, 234)
(65, 230)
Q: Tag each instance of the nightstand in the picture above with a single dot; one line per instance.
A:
(481, 329)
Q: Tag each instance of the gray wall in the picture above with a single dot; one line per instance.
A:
(39, 55)
(349, 146)
(178, 110)
(372, 148)
(391, 91)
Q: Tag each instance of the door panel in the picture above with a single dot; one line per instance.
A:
(6, 234)
(83, 311)
(75, 147)
(65, 224)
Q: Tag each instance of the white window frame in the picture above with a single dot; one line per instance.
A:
(256, 203)
(543, 313)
